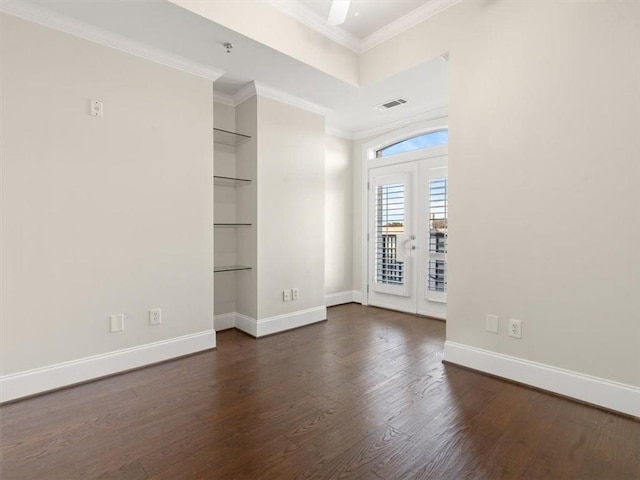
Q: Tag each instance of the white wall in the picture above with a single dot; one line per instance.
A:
(338, 215)
(105, 215)
(291, 189)
(357, 153)
(544, 172)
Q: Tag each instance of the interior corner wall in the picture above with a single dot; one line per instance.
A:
(543, 170)
(338, 222)
(100, 216)
(291, 193)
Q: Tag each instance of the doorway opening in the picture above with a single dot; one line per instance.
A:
(406, 221)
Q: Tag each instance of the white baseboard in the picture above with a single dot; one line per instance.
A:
(357, 297)
(280, 323)
(338, 298)
(224, 321)
(597, 391)
(247, 324)
(41, 380)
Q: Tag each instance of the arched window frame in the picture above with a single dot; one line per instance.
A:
(379, 152)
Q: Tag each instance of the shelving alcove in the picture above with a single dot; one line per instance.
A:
(231, 139)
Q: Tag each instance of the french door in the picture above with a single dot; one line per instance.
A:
(407, 236)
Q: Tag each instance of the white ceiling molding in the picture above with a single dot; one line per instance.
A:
(245, 93)
(341, 37)
(223, 98)
(338, 132)
(405, 22)
(253, 88)
(319, 24)
(283, 97)
(42, 16)
(430, 114)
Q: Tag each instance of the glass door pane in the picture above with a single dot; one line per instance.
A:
(438, 218)
(390, 206)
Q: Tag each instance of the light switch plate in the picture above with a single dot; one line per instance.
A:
(116, 323)
(492, 323)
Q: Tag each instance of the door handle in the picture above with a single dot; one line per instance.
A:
(408, 248)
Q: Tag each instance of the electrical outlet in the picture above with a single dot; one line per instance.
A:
(295, 293)
(155, 316)
(286, 295)
(515, 328)
(96, 108)
(116, 323)
(492, 323)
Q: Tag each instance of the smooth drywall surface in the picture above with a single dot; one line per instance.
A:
(100, 216)
(338, 221)
(291, 193)
(225, 240)
(423, 42)
(544, 172)
(266, 24)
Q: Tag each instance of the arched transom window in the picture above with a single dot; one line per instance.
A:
(425, 140)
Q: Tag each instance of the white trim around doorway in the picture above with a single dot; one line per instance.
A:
(368, 160)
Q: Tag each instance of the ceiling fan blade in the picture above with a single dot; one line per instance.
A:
(338, 12)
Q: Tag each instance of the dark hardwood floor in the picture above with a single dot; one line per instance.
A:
(364, 395)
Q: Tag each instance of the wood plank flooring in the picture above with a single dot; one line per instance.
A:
(362, 396)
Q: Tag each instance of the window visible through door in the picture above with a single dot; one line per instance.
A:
(408, 214)
(425, 140)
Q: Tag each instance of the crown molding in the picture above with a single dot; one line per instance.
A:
(245, 93)
(223, 98)
(283, 97)
(405, 22)
(255, 88)
(318, 24)
(342, 37)
(63, 23)
(430, 114)
(425, 115)
(338, 132)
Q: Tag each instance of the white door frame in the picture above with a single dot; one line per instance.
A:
(369, 160)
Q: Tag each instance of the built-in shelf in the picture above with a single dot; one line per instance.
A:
(230, 268)
(231, 225)
(230, 181)
(232, 139)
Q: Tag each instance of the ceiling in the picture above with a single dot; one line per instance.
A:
(364, 16)
(159, 27)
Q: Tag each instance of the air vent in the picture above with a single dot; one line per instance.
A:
(391, 104)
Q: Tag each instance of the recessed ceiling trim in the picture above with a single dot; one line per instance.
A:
(254, 88)
(430, 114)
(294, 101)
(317, 23)
(223, 98)
(341, 37)
(338, 132)
(245, 93)
(405, 22)
(42, 16)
